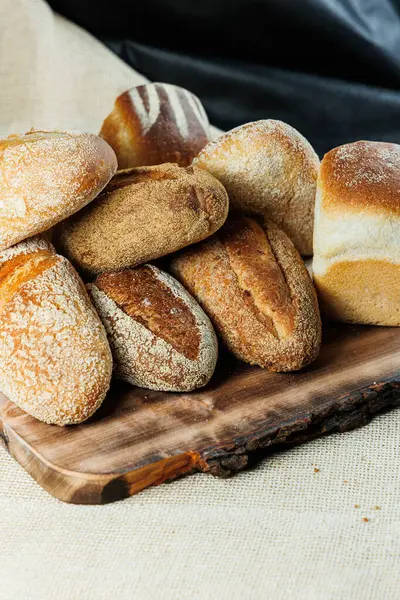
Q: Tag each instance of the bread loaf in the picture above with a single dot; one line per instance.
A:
(156, 123)
(143, 214)
(159, 336)
(55, 362)
(256, 290)
(268, 169)
(356, 264)
(45, 176)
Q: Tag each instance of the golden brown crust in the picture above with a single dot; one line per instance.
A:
(144, 214)
(361, 291)
(265, 309)
(156, 123)
(361, 176)
(65, 170)
(142, 296)
(268, 169)
(159, 336)
(47, 328)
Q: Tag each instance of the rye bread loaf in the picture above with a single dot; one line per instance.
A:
(160, 337)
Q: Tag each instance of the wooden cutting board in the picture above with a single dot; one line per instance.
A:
(141, 438)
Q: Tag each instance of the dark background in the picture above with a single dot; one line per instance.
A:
(330, 68)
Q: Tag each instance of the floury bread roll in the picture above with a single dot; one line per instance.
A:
(160, 337)
(156, 123)
(143, 214)
(46, 176)
(55, 361)
(356, 262)
(268, 169)
(256, 290)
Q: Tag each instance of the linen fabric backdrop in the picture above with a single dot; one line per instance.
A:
(281, 531)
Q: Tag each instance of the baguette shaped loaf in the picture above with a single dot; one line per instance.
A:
(257, 292)
(45, 176)
(356, 265)
(156, 123)
(160, 337)
(143, 214)
(268, 169)
(55, 361)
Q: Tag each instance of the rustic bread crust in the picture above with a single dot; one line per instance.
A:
(156, 123)
(160, 337)
(257, 292)
(143, 214)
(48, 327)
(269, 169)
(64, 170)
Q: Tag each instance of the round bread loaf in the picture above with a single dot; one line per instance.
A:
(356, 264)
(257, 292)
(156, 123)
(55, 361)
(45, 176)
(143, 214)
(268, 169)
(159, 336)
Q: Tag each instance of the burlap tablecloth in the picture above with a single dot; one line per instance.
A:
(280, 531)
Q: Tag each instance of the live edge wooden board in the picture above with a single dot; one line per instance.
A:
(141, 438)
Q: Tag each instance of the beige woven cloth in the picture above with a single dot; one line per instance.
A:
(282, 531)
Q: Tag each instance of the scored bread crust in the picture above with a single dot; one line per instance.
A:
(144, 213)
(55, 361)
(356, 265)
(156, 123)
(159, 336)
(45, 176)
(257, 292)
(269, 169)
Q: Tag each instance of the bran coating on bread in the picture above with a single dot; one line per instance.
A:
(160, 337)
(269, 169)
(48, 328)
(257, 292)
(47, 176)
(143, 214)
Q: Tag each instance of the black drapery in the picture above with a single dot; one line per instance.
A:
(330, 68)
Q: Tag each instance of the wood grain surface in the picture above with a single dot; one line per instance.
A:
(140, 438)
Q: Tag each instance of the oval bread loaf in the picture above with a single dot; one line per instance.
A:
(55, 361)
(156, 123)
(143, 214)
(46, 176)
(257, 292)
(268, 169)
(160, 337)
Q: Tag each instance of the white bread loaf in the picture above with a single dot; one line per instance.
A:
(356, 262)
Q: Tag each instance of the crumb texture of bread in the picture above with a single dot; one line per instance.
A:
(257, 292)
(269, 169)
(156, 123)
(49, 328)
(356, 264)
(46, 177)
(143, 214)
(160, 337)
